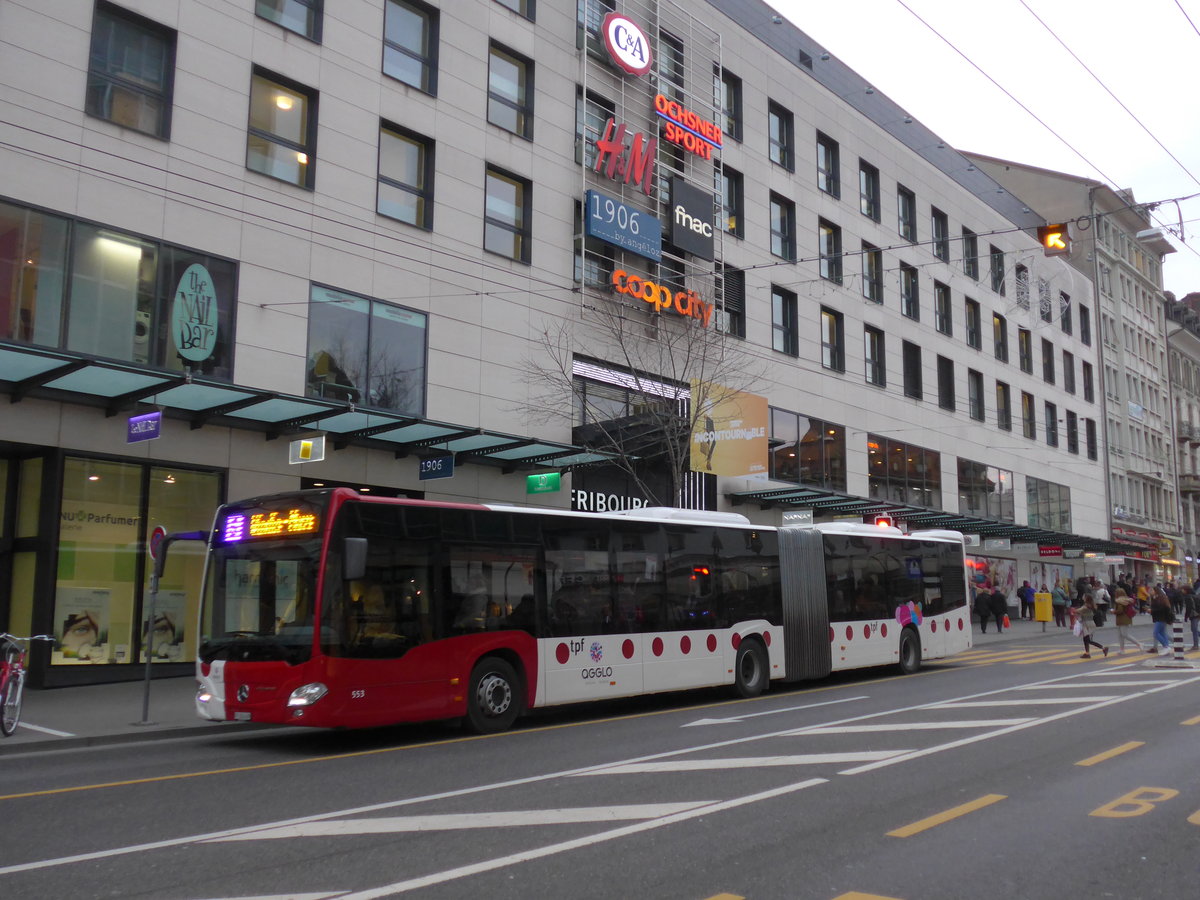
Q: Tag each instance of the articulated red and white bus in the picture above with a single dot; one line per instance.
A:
(334, 609)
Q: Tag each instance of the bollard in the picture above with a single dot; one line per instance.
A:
(1175, 660)
(1177, 640)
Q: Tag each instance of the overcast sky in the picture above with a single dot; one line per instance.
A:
(1146, 53)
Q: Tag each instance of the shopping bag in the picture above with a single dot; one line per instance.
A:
(1007, 624)
(1077, 628)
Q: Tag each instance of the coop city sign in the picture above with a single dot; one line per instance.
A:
(683, 303)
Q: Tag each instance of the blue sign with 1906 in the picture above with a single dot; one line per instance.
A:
(436, 467)
(621, 224)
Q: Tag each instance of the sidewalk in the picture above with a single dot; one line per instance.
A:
(103, 714)
(106, 714)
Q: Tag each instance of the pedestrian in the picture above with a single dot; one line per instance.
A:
(1163, 615)
(1191, 609)
(983, 608)
(1102, 598)
(999, 606)
(1124, 608)
(1059, 601)
(1175, 597)
(1025, 596)
(1143, 597)
(1088, 620)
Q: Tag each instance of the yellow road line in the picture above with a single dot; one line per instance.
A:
(856, 895)
(1195, 721)
(1109, 754)
(947, 816)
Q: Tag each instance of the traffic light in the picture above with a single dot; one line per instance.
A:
(1055, 239)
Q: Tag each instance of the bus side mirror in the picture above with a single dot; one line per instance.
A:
(354, 559)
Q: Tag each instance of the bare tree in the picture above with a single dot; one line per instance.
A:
(664, 356)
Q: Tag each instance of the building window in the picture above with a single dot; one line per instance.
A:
(668, 56)
(1048, 504)
(1089, 428)
(410, 42)
(365, 351)
(588, 17)
(1022, 281)
(1089, 385)
(1064, 313)
(300, 16)
(1072, 433)
(131, 70)
(592, 113)
(906, 212)
(940, 224)
(833, 340)
(945, 372)
(1045, 302)
(510, 92)
(903, 473)
(943, 317)
(873, 353)
(784, 337)
(1003, 406)
(405, 176)
(807, 451)
(975, 395)
(872, 272)
(783, 228)
(282, 136)
(1000, 337)
(526, 8)
(731, 302)
(830, 239)
(1085, 326)
(780, 132)
(1051, 424)
(974, 324)
(910, 292)
(731, 105)
(506, 225)
(985, 491)
(970, 244)
(828, 169)
(595, 260)
(1025, 350)
(1068, 372)
(996, 261)
(731, 201)
(911, 356)
(1028, 416)
(868, 191)
(1047, 361)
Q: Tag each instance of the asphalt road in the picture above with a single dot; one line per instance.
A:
(1015, 771)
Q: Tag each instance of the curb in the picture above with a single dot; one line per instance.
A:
(134, 737)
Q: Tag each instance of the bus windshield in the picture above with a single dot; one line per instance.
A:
(260, 586)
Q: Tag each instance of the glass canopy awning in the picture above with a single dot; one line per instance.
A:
(118, 388)
(919, 517)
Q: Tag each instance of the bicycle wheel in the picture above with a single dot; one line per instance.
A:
(10, 703)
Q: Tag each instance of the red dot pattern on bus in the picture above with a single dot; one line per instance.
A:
(712, 643)
(657, 646)
(685, 644)
(627, 649)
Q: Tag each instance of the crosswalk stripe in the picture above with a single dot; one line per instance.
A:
(752, 762)
(1032, 701)
(1088, 685)
(915, 726)
(462, 821)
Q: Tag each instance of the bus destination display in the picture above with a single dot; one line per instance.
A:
(246, 526)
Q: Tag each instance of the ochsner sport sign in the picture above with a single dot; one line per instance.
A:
(627, 44)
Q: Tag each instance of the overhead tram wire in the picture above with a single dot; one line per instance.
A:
(1189, 18)
(1100, 82)
(1108, 178)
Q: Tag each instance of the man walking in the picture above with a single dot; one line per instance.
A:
(1025, 596)
(983, 608)
(999, 607)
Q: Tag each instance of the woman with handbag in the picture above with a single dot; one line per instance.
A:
(1089, 616)
(1163, 615)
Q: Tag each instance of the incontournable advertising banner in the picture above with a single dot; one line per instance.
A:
(729, 436)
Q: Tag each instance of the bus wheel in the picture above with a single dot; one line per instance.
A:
(494, 700)
(750, 669)
(910, 652)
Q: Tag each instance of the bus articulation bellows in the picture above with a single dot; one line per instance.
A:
(334, 609)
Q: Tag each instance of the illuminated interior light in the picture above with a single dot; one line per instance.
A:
(93, 478)
(302, 158)
(284, 102)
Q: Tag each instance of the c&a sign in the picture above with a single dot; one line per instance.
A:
(683, 303)
(627, 44)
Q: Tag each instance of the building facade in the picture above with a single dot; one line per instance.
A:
(1183, 348)
(528, 238)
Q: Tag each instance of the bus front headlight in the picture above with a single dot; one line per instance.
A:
(307, 694)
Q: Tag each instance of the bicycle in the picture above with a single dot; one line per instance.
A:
(12, 678)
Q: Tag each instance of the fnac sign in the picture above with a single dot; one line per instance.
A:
(627, 44)
(684, 303)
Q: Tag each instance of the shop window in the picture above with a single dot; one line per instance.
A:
(130, 71)
(365, 352)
